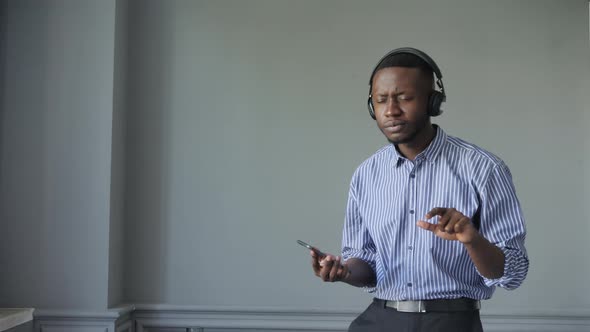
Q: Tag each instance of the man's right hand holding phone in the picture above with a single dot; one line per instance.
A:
(328, 267)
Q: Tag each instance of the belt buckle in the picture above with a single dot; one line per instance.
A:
(410, 306)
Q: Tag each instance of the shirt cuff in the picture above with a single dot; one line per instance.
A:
(515, 270)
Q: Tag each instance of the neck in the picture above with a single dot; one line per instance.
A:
(411, 149)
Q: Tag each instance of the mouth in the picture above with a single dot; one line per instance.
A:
(395, 127)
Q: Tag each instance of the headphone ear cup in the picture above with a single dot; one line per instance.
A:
(370, 107)
(434, 102)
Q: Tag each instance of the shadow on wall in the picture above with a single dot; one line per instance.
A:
(2, 75)
(150, 33)
(23, 156)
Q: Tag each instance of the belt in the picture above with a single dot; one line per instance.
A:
(446, 305)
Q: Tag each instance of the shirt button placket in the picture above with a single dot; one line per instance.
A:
(413, 192)
(412, 219)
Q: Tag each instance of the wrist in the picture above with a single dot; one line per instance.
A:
(474, 240)
(346, 276)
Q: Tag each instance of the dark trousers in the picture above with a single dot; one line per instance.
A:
(378, 318)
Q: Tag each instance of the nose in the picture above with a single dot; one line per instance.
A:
(392, 108)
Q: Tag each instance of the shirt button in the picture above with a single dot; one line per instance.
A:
(411, 211)
(410, 247)
(412, 176)
(409, 284)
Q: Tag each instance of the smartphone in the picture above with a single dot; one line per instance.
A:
(319, 253)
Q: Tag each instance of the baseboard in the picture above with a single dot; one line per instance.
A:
(509, 323)
(174, 318)
(112, 320)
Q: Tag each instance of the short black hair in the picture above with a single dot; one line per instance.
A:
(407, 60)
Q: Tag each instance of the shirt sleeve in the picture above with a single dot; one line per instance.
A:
(356, 240)
(502, 223)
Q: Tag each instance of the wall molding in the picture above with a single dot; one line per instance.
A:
(63, 320)
(161, 317)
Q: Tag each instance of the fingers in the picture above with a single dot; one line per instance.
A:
(333, 275)
(426, 225)
(315, 263)
(452, 225)
(451, 221)
(331, 269)
(455, 223)
(435, 212)
(328, 264)
(324, 266)
(460, 225)
(447, 219)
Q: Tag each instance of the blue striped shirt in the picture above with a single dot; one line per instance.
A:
(389, 194)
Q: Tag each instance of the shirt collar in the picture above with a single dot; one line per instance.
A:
(429, 154)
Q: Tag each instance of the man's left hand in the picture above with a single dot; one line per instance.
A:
(452, 225)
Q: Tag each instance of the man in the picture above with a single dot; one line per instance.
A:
(433, 223)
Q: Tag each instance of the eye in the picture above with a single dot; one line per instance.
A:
(405, 97)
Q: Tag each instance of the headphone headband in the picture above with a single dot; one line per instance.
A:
(413, 51)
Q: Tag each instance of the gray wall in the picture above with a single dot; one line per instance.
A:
(247, 120)
(173, 151)
(55, 162)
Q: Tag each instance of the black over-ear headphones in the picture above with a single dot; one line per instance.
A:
(436, 97)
